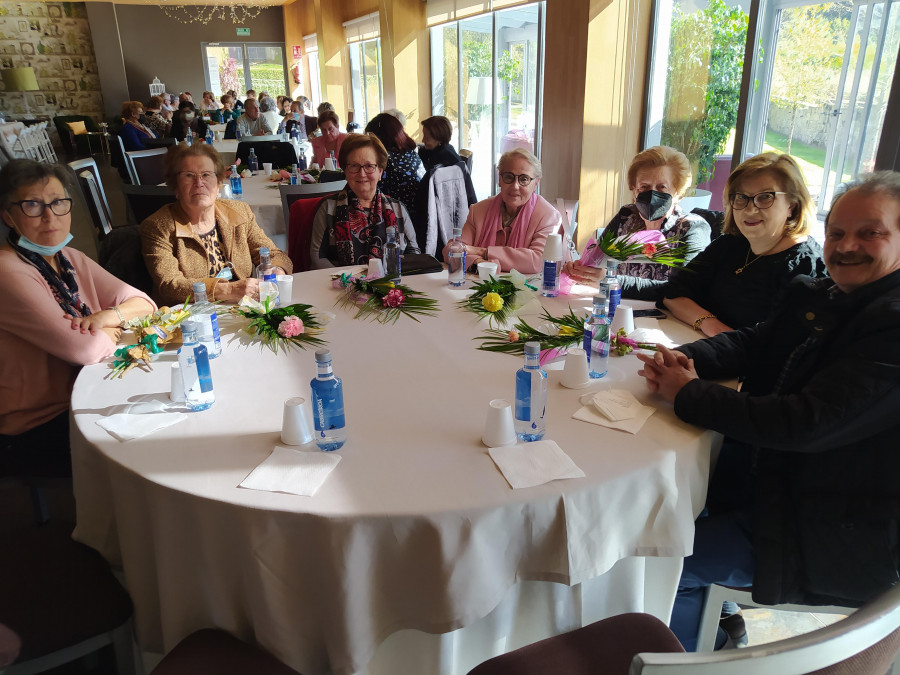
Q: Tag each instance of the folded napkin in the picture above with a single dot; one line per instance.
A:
(630, 420)
(140, 419)
(292, 471)
(651, 334)
(534, 463)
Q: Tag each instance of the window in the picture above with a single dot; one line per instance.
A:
(486, 76)
(311, 61)
(243, 66)
(364, 48)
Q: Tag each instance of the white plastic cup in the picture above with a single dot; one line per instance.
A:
(329, 165)
(486, 270)
(176, 388)
(267, 167)
(376, 269)
(498, 427)
(624, 318)
(553, 247)
(297, 425)
(285, 289)
(575, 371)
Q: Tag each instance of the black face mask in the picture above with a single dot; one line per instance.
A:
(653, 205)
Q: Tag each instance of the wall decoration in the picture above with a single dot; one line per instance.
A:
(66, 64)
(54, 11)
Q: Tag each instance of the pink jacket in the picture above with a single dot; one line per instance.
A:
(40, 354)
(545, 220)
(320, 154)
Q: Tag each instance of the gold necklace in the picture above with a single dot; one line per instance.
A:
(747, 262)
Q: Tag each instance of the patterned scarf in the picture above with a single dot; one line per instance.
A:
(360, 234)
(63, 285)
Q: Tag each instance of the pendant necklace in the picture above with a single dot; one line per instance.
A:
(747, 262)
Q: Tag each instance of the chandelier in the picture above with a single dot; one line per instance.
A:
(225, 10)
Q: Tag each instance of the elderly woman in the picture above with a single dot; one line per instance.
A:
(209, 102)
(133, 132)
(228, 111)
(158, 118)
(60, 311)
(330, 140)
(437, 150)
(202, 238)
(268, 108)
(657, 177)
(765, 243)
(350, 227)
(404, 168)
(186, 119)
(511, 228)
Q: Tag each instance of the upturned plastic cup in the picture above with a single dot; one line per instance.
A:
(297, 425)
(486, 270)
(575, 371)
(624, 318)
(553, 247)
(498, 427)
(329, 165)
(285, 289)
(267, 167)
(376, 269)
(176, 388)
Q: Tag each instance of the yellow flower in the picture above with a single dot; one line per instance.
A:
(567, 330)
(492, 302)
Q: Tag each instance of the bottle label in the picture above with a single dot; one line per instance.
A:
(217, 339)
(551, 274)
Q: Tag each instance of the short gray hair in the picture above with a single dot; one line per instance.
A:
(267, 104)
(521, 153)
(884, 182)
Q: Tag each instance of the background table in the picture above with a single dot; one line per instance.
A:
(415, 556)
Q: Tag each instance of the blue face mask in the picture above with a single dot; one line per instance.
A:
(296, 116)
(28, 245)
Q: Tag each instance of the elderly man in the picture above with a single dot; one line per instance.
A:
(805, 501)
(251, 123)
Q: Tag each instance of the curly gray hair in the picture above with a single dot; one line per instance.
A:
(267, 104)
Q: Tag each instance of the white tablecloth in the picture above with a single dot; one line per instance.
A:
(415, 556)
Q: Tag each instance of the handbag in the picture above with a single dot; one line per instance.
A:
(419, 263)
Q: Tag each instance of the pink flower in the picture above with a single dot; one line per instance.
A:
(292, 326)
(513, 336)
(649, 249)
(394, 298)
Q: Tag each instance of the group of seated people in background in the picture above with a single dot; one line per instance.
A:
(62, 310)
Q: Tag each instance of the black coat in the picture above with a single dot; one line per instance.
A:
(821, 406)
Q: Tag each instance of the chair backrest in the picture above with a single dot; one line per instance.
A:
(88, 176)
(716, 220)
(148, 165)
(120, 160)
(280, 153)
(466, 154)
(145, 200)
(230, 130)
(299, 226)
(871, 635)
(291, 193)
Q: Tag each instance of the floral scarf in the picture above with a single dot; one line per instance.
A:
(63, 285)
(360, 234)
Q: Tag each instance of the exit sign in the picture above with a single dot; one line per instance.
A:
(243, 32)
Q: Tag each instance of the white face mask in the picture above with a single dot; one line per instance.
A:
(189, 116)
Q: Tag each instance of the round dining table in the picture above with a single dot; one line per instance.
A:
(415, 555)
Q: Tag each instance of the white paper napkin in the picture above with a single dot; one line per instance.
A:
(651, 333)
(292, 471)
(589, 413)
(536, 463)
(140, 419)
(615, 404)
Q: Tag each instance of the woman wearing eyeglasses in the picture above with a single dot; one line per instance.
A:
(765, 243)
(511, 227)
(60, 310)
(350, 226)
(201, 237)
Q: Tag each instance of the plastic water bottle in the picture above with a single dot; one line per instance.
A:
(268, 283)
(193, 361)
(237, 132)
(531, 395)
(552, 266)
(596, 338)
(210, 136)
(334, 161)
(189, 138)
(456, 260)
(613, 289)
(204, 313)
(392, 256)
(328, 405)
(253, 161)
(235, 180)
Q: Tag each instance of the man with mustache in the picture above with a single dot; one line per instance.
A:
(804, 503)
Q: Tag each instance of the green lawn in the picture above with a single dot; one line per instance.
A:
(810, 159)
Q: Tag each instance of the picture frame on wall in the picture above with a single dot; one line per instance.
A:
(23, 26)
(70, 85)
(26, 48)
(54, 11)
(65, 63)
(39, 100)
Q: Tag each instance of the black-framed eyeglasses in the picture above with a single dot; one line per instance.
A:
(509, 178)
(369, 169)
(35, 209)
(761, 200)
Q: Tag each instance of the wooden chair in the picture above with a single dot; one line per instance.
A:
(61, 601)
(147, 165)
(215, 651)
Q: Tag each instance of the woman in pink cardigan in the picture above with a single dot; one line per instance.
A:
(510, 228)
(60, 310)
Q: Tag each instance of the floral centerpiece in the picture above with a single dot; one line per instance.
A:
(281, 327)
(497, 299)
(381, 299)
(646, 246)
(151, 332)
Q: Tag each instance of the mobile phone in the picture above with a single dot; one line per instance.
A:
(652, 313)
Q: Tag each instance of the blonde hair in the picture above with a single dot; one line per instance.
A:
(659, 156)
(789, 178)
(521, 153)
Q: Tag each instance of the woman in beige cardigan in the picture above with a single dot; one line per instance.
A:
(202, 238)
